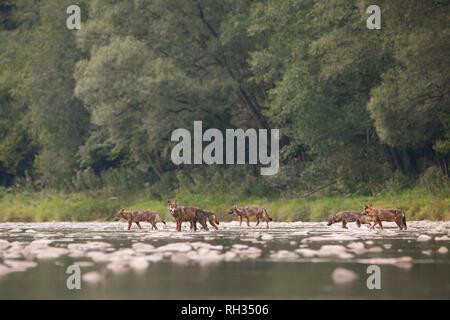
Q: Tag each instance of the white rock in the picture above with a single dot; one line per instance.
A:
(307, 253)
(343, 276)
(76, 254)
(4, 244)
(180, 258)
(84, 264)
(51, 253)
(143, 247)
(375, 250)
(17, 230)
(123, 254)
(424, 238)
(254, 235)
(443, 238)
(356, 245)
(284, 255)
(4, 270)
(442, 250)
(92, 277)
(239, 246)
(176, 247)
(205, 258)
(139, 264)
(20, 266)
(12, 255)
(197, 245)
(332, 238)
(230, 256)
(300, 233)
(154, 257)
(99, 256)
(402, 262)
(266, 237)
(40, 244)
(427, 252)
(118, 267)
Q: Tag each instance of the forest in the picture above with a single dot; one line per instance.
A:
(86, 115)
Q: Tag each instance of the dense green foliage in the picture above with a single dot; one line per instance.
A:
(92, 110)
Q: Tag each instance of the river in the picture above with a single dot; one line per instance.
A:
(297, 260)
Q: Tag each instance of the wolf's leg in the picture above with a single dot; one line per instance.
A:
(344, 224)
(178, 225)
(248, 221)
(137, 222)
(257, 220)
(267, 223)
(154, 226)
(129, 225)
(211, 221)
(379, 223)
(240, 221)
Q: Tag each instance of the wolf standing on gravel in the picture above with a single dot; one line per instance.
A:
(138, 216)
(349, 216)
(188, 214)
(247, 212)
(394, 215)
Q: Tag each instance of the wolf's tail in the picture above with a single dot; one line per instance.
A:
(161, 220)
(270, 219)
(404, 219)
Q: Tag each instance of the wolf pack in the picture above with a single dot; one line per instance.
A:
(369, 216)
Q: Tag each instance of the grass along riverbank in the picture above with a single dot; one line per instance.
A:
(49, 206)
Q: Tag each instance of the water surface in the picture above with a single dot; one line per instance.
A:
(288, 261)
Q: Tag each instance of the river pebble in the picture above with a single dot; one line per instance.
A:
(4, 270)
(424, 238)
(266, 237)
(139, 264)
(143, 247)
(442, 250)
(177, 247)
(342, 276)
(92, 277)
(283, 255)
(4, 244)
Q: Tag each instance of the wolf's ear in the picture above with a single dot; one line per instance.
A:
(169, 202)
(122, 210)
(175, 201)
